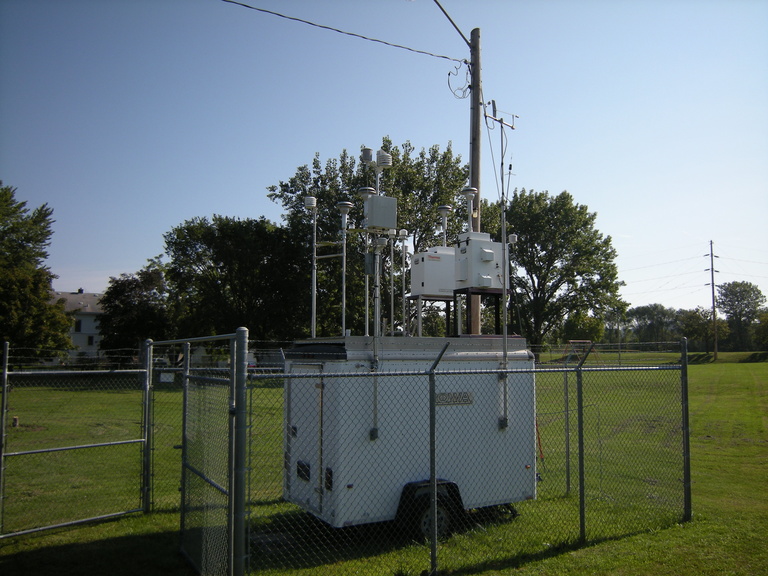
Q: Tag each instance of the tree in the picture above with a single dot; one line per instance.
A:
(652, 322)
(420, 182)
(581, 326)
(136, 307)
(28, 316)
(761, 330)
(562, 266)
(696, 325)
(740, 302)
(227, 272)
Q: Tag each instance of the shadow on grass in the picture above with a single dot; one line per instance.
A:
(148, 553)
(740, 357)
(296, 540)
(700, 358)
(520, 560)
(756, 357)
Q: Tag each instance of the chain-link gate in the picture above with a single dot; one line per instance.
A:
(73, 447)
(213, 473)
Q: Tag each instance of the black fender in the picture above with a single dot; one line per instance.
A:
(414, 494)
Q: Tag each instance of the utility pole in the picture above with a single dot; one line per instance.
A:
(475, 119)
(476, 116)
(714, 307)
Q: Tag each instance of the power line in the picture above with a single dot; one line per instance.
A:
(666, 277)
(746, 261)
(353, 34)
(660, 264)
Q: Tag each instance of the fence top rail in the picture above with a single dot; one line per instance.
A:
(196, 339)
(208, 379)
(638, 368)
(74, 372)
(500, 371)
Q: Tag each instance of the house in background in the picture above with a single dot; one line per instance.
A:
(85, 310)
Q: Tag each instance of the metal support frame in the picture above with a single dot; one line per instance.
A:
(497, 293)
(420, 299)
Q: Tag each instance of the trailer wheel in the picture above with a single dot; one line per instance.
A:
(424, 518)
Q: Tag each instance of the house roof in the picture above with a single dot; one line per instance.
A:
(84, 302)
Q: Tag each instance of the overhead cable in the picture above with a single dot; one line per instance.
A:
(354, 35)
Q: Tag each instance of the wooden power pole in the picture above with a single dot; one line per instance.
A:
(475, 123)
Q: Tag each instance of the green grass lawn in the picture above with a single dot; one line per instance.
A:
(729, 443)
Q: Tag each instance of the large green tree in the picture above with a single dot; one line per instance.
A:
(740, 302)
(652, 323)
(227, 272)
(697, 326)
(28, 316)
(563, 267)
(136, 307)
(421, 181)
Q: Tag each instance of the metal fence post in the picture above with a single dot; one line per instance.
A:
(567, 409)
(3, 412)
(433, 458)
(687, 510)
(146, 480)
(580, 426)
(238, 496)
(184, 444)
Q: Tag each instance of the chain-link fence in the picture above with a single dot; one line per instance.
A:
(72, 446)
(53, 408)
(342, 451)
(82, 437)
(523, 460)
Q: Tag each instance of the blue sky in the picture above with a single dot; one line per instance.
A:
(130, 116)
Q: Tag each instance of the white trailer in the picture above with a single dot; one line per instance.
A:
(357, 449)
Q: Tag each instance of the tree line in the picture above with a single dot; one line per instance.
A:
(222, 272)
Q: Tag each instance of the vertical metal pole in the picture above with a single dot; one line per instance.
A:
(3, 422)
(380, 243)
(314, 271)
(146, 481)
(433, 469)
(567, 408)
(402, 272)
(433, 458)
(184, 447)
(580, 425)
(367, 290)
(392, 236)
(344, 207)
(344, 275)
(687, 509)
(239, 550)
(504, 421)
